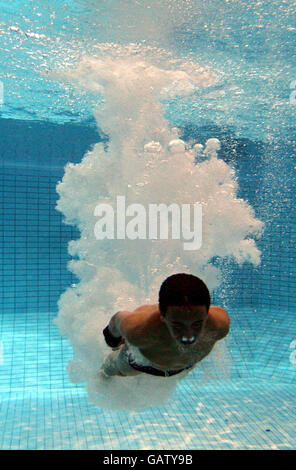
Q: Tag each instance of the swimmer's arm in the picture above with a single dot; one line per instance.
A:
(223, 324)
(115, 324)
(220, 322)
(131, 326)
(113, 331)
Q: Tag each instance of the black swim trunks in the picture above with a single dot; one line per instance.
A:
(153, 370)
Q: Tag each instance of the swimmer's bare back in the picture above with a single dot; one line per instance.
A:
(146, 329)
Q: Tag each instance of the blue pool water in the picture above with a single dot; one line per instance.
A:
(44, 124)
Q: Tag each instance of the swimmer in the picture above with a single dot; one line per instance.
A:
(167, 338)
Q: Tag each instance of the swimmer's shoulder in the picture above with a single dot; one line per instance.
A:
(139, 326)
(218, 321)
(147, 309)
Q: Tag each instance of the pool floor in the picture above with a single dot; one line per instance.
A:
(252, 407)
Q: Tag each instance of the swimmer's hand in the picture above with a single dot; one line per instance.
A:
(110, 339)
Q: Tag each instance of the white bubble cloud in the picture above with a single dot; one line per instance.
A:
(147, 163)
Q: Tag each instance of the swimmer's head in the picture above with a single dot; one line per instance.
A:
(184, 302)
(183, 289)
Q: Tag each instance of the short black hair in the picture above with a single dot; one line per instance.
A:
(182, 289)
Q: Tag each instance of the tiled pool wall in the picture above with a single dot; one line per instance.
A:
(33, 237)
(33, 241)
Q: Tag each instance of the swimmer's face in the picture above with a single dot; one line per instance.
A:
(186, 323)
